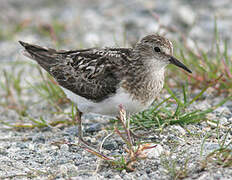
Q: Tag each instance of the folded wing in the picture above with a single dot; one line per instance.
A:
(90, 73)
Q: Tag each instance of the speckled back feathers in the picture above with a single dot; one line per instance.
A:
(96, 74)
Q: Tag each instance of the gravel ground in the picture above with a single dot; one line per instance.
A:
(41, 153)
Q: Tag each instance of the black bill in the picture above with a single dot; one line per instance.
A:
(179, 64)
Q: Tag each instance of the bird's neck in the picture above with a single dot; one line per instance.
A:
(145, 83)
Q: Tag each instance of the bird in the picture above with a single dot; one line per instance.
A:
(98, 80)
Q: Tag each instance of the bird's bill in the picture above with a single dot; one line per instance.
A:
(179, 64)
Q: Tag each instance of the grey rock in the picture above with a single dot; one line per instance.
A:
(71, 131)
(110, 145)
(93, 128)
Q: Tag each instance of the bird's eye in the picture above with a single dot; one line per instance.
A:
(157, 49)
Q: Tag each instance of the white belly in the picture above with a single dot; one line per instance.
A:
(108, 106)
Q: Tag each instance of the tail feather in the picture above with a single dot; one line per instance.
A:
(45, 57)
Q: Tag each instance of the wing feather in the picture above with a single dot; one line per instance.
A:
(91, 73)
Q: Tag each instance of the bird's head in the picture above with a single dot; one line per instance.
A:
(157, 51)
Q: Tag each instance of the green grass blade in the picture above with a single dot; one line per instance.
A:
(173, 95)
(198, 95)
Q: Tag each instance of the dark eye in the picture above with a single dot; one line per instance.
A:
(157, 49)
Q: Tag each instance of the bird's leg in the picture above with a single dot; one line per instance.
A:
(79, 121)
(87, 146)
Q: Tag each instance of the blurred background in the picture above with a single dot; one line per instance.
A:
(85, 23)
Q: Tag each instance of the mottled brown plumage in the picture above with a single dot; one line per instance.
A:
(90, 73)
(96, 73)
(98, 80)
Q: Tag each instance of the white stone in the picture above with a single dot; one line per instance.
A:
(154, 152)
